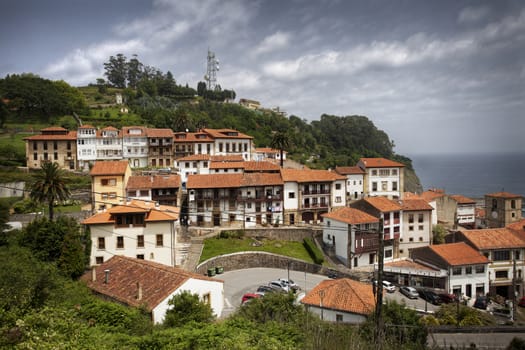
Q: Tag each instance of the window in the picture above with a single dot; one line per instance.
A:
(456, 271)
(35, 146)
(384, 172)
(420, 228)
(101, 243)
(480, 268)
(420, 218)
(374, 172)
(291, 194)
(140, 256)
(411, 218)
(35, 156)
(99, 260)
(394, 185)
(144, 193)
(55, 145)
(206, 298)
(517, 254)
(160, 240)
(120, 242)
(411, 239)
(513, 204)
(337, 186)
(411, 228)
(468, 270)
(394, 172)
(374, 186)
(501, 255)
(502, 274)
(45, 145)
(338, 318)
(388, 253)
(337, 199)
(140, 241)
(108, 182)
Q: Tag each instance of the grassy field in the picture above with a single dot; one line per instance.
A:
(219, 246)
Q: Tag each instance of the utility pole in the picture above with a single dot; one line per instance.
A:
(379, 287)
(514, 286)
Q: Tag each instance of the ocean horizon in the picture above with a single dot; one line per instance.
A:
(471, 175)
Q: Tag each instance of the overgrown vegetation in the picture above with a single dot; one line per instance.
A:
(315, 253)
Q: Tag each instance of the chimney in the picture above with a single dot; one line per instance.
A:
(106, 276)
(139, 291)
(93, 274)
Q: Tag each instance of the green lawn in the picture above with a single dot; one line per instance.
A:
(218, 246)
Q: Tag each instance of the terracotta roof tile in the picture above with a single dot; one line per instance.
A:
(343, 294)
(504, 195)
(155, 181)
(431, 195)
(261, 179)
(415, 204)
(156, 132)
(191, 137)
(214, 181)
(351, 216)
(383, 204)
(70, 136)
(380, 163)
(195, 157)
(226, 165)
(462, 199)
(252, 166)
(126, 130)
(54, 128)
(267, 150)
(408, 263)
(349, 170)
(308, 175)
(153, 212)
(230, 158)
(110, 167)
(458, 254)
(226, 134)
(157, 281)
(494, 238)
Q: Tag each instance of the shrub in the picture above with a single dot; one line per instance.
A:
(315, 253)
(232, 234)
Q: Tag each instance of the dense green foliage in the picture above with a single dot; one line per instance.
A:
(185, 308)
(315, 253)
(48, 185)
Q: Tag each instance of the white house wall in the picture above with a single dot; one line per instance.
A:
(337, 231)
(355, 186)
(338, 195)
(474, 279)
(331, 315)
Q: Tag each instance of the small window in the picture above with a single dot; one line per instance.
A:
(337, 186)
(502, 274)
(160, 240)
(206, 298)
(388, 253)
(291, 194)
(480, 268)
(420, 228)
(120, 242)
(140, 256)
(338, 318)
(456, 271)
(99, 260)
(101, 243)
(468, 270)
(140, 241)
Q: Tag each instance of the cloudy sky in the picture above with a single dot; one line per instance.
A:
(437, 76)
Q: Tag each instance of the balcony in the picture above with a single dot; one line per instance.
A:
(366, 242)
(315, 192)
(314, 206)
(261, 198)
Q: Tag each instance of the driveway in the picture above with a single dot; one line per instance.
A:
(239, 282)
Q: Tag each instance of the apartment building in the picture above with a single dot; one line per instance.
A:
(162, 189)
(108, 183)
(383, 177)
(160, 147)
(231, 142)
(53, 144)
(135, 146)
(416, 225)
(355, 179)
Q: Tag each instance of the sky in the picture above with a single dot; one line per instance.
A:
(441, 76)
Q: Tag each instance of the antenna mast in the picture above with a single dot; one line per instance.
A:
(211, 71)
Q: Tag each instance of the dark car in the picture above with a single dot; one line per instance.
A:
(430, 296)
(266, 289)
(481, 302)
(448, 298)
(522, 302)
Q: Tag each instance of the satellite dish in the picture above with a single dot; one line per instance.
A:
(206, 77)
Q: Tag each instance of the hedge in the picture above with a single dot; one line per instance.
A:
(315, 253)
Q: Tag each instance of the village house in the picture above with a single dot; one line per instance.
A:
(160, 147)
(162, 189)
(191, 143)
(389, 212)
(200, 164)
(310, 193)
(267, 153)
(250, 104)
(108, 183)
(416, 225)
(229, 142)
(137, 229)
(86, 146)
(502, 209)
(452, 210)
(465, 268)
(135, 146)
(355, 178)
(383, 177)
(352, 236)
(140, 283)
(505, 250)
(341, 300)
(53, 144)
(109, 144)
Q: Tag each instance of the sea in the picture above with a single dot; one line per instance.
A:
(472, 175)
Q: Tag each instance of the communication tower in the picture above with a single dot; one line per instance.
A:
(211, 71)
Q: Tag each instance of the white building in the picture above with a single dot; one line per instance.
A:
(355, 178)
(383, 177)
(135, 229)
(135, 146)
(150, 285)
(109, 144)
(417, 225)
(86, 146)
(230, 142)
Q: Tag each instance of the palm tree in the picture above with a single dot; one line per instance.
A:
(49, 185)
(280, 141)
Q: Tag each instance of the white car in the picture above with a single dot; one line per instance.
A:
(279, 284)
(290, 283)
(389, 287)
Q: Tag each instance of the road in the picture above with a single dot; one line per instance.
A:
(239, 282)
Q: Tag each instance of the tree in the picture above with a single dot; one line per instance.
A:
(49, 185)
(201, 88)
(187, 307)
(438, 234)
(116, 70)
(280, 141)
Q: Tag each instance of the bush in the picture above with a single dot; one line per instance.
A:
(232, 234)
(315, 253)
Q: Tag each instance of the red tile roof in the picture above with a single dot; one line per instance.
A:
(383, 204)
(504, 195)
(110, 167)
(155, 181)
(267, 150)
(195, 157)
(408, 263)
(458, 254)
(415, 204)
(350, 216)
(126, 130)
(462, 199)
(494, 238)
(308, 175)
(226, 134)
(153, 212)
(157, 281)
(230, 158)
(349, 170)
(155, 132)
(214, 181)
(342, 294)
(70, 136)
(226, 165)
(191, 137)
(432, 194)
(380, 163)
(261, 179)
(252, 166)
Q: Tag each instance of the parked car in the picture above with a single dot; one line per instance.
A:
(267, 289)
(409, 292)
(388, 286)
(249, 296)
(279, 284)
(522, 302)
(290, 283)
(481, 302)
(430, 296)
(448, 298)
(333, 274)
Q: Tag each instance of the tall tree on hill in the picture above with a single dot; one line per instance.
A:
(134, 71)
(280, 141)
(116, 70)
(49, 185)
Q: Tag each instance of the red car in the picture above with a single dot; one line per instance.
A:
(522, 302)
(249, 296)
